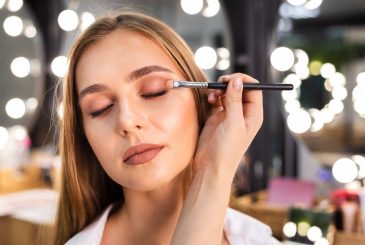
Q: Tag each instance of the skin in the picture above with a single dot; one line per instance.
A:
(118, 112)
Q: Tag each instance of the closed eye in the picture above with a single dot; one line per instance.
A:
(148, 96)
(101, 111)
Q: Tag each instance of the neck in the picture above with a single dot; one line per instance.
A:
(153, 214)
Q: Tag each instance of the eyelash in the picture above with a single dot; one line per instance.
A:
(146, 96)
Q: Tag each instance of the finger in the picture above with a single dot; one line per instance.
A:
(233, 101)
(252, 103)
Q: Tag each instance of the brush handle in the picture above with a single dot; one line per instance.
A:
(254, 86)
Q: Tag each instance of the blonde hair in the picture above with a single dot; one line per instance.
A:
(86, 189)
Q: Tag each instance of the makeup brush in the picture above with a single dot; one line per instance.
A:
(246, 86)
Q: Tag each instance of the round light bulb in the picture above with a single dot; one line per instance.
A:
(20, 67)
(13, 26)
(290, 229)
(327, 70)
(344, 170)
(205, 57)
(59, 66)
(68, 20)
(15, 108)
(192, 6)
(282, 59)
(314, 233)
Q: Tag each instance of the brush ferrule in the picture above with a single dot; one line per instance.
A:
(185, 84)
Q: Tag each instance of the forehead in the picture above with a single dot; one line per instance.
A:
(120, 51)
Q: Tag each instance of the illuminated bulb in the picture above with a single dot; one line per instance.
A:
(339, 93)
(68, 20)
(223, 52)
(360, 161)
(212, 8)
(59, 66)
(299, 121)
(303, 228)
(223, 64)
(337, 79)
(19, 132)
(205, 57)
(315, 67)
(20, 67)
(318, 122)
(15, 108)
(2, 2)
(344, 170)
(359, 108)
(86, 20)
(327, 70)
(302, 57)
(15, 5)
(313, 4)
(360, 78)
(327, 115)
(327, 85)
(314, 233)
(292, 105)
(290, 229)
(335, 106)
(35, 67)
(353, 186)
(4, 137)
(31, 104)
(289, 95)
(302, 71)
(296, 2)
(30, 31)
(282, 59)
(13, 26)
(321, 241)
(293, 79)
(191, 6)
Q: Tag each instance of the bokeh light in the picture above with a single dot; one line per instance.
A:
(344, 170)
(192, 6)
(205, 57)
(299, 121)
(314, 233)
(15, 108)
(15, 5)
(20, 67)
(290, 229)
(282, 58)
(68, 20)
(59, 66)
(13, 26)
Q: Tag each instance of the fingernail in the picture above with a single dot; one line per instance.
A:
(211, 97)
(237, 84)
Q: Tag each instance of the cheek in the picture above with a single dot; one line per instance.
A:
(180, 122)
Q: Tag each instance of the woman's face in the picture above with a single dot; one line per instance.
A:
(143, 134)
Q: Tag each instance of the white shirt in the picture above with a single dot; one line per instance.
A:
(240, 229)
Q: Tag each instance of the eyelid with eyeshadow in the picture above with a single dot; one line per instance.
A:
(146, 96)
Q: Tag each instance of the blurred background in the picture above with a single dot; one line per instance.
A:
(304, 173)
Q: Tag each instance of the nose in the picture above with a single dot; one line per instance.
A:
(131, 119)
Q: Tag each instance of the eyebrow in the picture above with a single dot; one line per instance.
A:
(134, 75)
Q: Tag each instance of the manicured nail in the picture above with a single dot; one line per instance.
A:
(237, 84)
(211, 97)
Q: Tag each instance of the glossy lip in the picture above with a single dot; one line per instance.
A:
(141, 153)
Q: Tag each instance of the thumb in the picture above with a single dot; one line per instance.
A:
(233, 101)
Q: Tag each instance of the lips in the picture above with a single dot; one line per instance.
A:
(142, 153)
